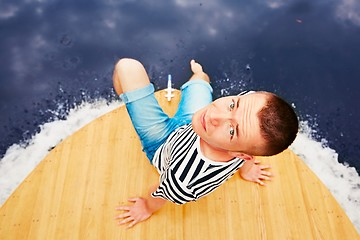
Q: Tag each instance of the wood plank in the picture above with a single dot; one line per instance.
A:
(73, 192)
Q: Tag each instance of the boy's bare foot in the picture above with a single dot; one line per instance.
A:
(195, 67)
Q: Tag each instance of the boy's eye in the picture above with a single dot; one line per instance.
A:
(232, 105)
(232, 131)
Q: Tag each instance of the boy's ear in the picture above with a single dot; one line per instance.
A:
(241, 155)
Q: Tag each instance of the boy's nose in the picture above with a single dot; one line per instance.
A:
(217, 117)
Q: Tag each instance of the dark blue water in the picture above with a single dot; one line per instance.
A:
(55, 54)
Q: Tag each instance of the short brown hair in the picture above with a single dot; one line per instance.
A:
(278, 125)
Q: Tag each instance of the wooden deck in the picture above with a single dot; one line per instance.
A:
(73, 192)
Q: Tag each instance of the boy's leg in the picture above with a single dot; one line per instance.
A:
(198, 72)
(129, 74)
(195, 94)
(132, 83)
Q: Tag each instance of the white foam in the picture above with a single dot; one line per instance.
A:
(20, 159)
(343, 181)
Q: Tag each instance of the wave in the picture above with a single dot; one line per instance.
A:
(20, 159)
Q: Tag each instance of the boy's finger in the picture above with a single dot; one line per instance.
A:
(124, 208)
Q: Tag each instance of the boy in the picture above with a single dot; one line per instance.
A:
(205, 142)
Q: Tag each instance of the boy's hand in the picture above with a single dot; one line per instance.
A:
(257, 173)
(135, 213)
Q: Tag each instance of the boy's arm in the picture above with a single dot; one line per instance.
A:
(141, 210)
(253, 171)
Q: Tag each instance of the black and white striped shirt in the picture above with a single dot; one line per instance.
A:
(185, 173)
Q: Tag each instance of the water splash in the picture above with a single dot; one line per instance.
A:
(20, 159)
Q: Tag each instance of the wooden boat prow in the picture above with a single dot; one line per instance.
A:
(73, 192)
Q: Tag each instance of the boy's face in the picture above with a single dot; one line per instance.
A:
(231, 123)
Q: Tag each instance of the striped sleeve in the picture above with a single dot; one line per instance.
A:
(172, 189)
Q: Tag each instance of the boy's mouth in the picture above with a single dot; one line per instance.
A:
(202, 119)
